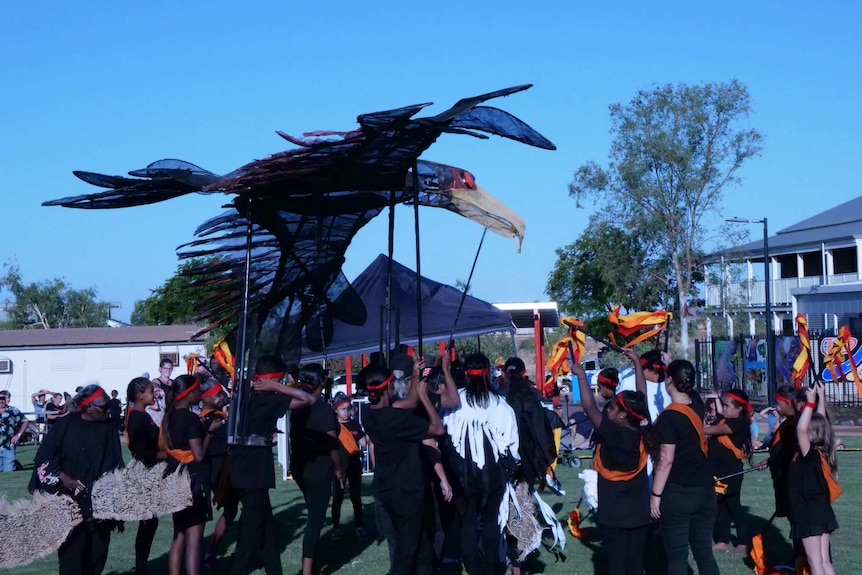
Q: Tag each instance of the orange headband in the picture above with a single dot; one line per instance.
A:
(738, 399)
(276, 375)
(212, 391)
(628, 409)
(607, 381)
(382, 384)
(96, 394)
(188, 390)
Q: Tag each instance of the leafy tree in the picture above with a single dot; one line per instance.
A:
(173, 302)
(675, 150)
(607, 265)
(50, 304)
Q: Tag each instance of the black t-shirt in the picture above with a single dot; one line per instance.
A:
(116, 410)
(185, 425)
(809, 493)
(622, 504)
(311, 444)
(690, 466)
(722, 461)
(52, 412)
(143, 437)
(397, 436)
(252, 466)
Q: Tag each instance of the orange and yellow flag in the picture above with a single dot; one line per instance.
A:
(575, 339)
(803, 360)
(633, 322)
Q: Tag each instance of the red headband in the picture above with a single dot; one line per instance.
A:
(607, 381)
(96, 394)
(212, 391)
(652, 366)
(276, 375)
(382, 384)
(784, 399)
(342, 402)
(738, 399)
(477, 371)
(628, 409)
(188, 390)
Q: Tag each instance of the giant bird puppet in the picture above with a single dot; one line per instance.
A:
(276, 254)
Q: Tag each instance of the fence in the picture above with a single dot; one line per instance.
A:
(723, 363)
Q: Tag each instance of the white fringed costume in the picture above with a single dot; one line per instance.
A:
(468, 426)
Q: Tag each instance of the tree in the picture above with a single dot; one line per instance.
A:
(675, 150)
(607, 265)
(50, 304)
(173, 302)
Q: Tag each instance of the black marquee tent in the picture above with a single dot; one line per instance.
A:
(439, 308)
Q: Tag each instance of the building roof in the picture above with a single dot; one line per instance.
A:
(836, 226)
(151, 334)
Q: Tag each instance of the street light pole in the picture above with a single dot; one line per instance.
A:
(770, 328)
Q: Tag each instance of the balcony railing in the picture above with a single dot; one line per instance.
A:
(753, 294)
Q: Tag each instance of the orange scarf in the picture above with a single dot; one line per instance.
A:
(831, 483)
(347, 440)
(726, 442)
(612, 475)
(181, 455)
(696, 422)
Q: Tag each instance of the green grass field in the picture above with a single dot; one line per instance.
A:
(369, 556)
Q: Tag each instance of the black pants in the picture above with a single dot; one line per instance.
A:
(354, 483)
(143, 543)
(317, 493)
(730, 509)
(85, 551)
(625, 548)
(256, 532)
(408, 521)
(687, 518)
(479, 512)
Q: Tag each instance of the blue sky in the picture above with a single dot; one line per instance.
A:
(112, 86)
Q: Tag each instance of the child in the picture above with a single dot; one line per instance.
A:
(186, 443)
(729, 444)
(142, 437)
(352, 439)
(213, 400)
(812, 483)
(624, 436)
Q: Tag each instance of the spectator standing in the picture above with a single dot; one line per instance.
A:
(40, 400)
(116, 410)
(12, 426)
(54, 409)
(161, 386)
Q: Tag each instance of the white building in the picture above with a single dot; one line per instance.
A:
(60, 360)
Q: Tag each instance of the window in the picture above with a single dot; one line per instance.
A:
(5, 365)
(171, 355)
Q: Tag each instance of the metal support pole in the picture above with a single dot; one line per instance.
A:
(418, 258)
(770, 328)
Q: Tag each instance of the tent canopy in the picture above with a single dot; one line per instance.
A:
(439, 308)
